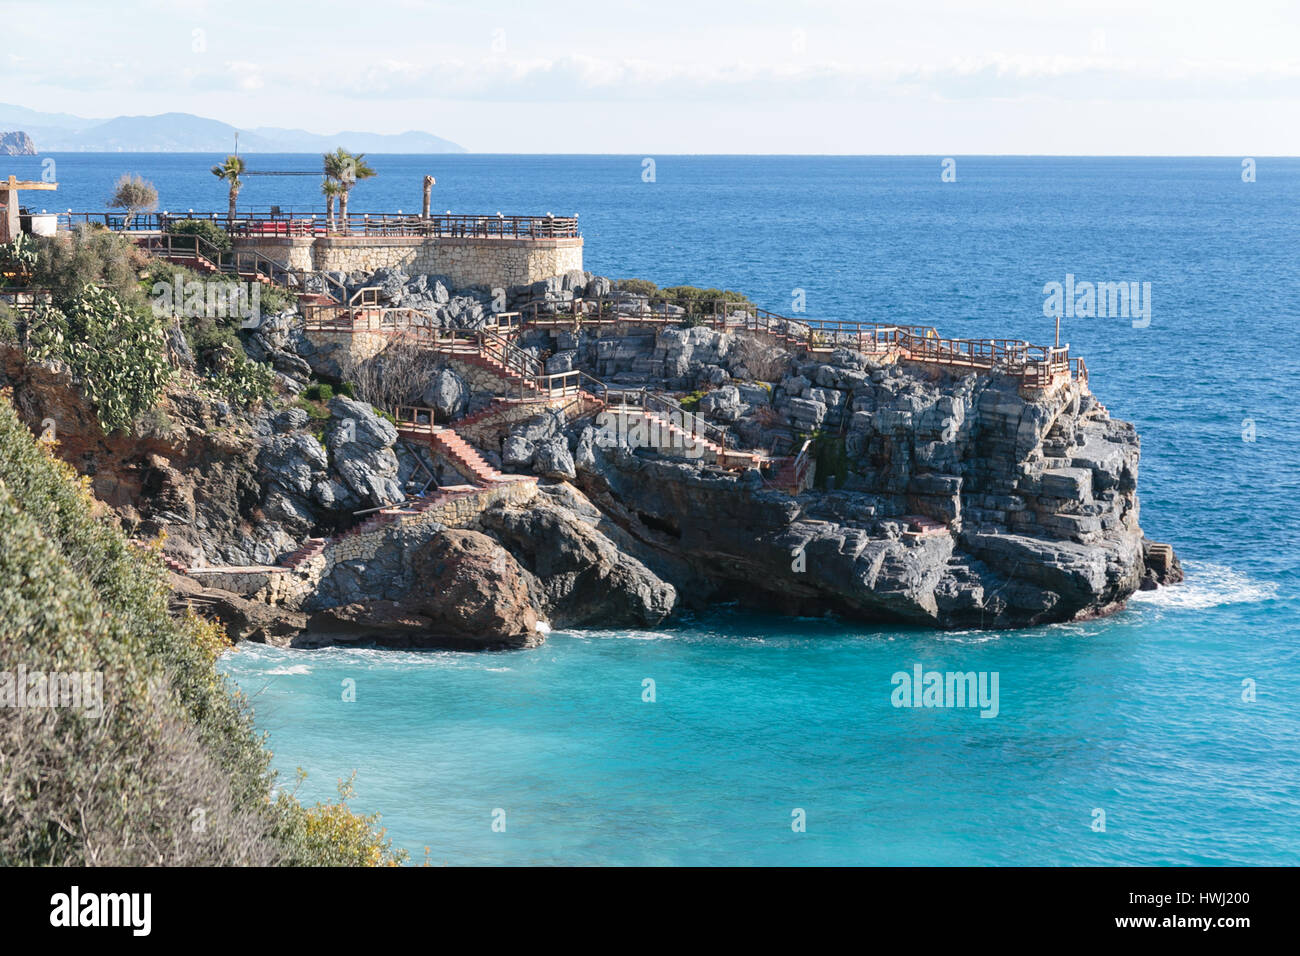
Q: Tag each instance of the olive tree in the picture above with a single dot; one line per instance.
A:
(135, 195)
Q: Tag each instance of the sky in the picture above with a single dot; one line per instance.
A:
(1102, 77)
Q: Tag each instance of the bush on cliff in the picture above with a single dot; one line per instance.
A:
(638, 286)
(115, 349)
(693, 299)
(159, 767)
(68, 262)
(8, 325)
(238, 379)
(205, 229)
(697, 301)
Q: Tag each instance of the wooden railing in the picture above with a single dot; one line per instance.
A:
(726, 317)
(367, 296)
(242, 262)
(1039, 366)
(286, 224)
(414, 418)
(658, 404)
(390, 319)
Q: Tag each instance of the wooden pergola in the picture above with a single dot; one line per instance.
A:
(9, 204)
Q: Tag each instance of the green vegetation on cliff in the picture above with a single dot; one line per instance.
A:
(112, 308)
(693, 299)
(168, 770)
(116, 350)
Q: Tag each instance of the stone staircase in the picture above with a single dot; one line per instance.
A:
(175, 565)
(310, 548)
(678, 441)
(467, 459)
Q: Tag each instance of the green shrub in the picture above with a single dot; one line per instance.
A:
(171, 771)
(318, 412)
(319, 392)
(205, 229)
(275, 299)
(700, 301)
(18, 258)
(8, 325)
(639, 286)
(115, 350)
(239, 379)
(692, 401)
(68, 262)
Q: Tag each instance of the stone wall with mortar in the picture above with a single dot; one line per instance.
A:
(493, 263)
(488, 431)
(295, 252)
(291, 589)
(349, 348)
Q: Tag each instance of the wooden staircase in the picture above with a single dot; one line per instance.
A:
(681, 439)
(416, 424)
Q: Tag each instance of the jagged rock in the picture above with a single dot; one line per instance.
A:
(517, 451)
(361, 444)
(576, 573)
(553, 460)
(16, 143)
(1160, 566)
(584, 454)
(540, 426)
(244, 619)
(293, 461)
(722, 405)
(448, 394)
(561, 362)
(290, 420)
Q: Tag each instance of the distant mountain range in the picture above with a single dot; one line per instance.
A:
(186, 133)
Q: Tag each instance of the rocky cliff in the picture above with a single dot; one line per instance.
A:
(16, 143)
(938, 496)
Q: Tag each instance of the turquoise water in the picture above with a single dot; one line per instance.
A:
(1140, 715)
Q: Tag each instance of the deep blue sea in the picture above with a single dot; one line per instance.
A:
(1141, 715)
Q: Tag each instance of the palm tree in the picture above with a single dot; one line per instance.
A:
(331, 189)
(229, 170)
(346, 169)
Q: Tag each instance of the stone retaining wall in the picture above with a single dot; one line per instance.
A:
(493, 263)
(293, 588)
(295, 252)
(491, 429)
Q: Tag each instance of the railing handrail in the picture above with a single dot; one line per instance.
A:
(252, 223)
(220, 258)
(1037, 364)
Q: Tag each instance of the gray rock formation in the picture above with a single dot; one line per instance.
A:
(361, 445)
(447, 394)
(16, 143)
(577, 575)
(465, 591)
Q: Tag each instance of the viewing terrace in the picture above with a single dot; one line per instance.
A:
(278, 222)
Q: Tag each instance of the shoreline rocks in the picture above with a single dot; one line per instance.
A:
(943, 498)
